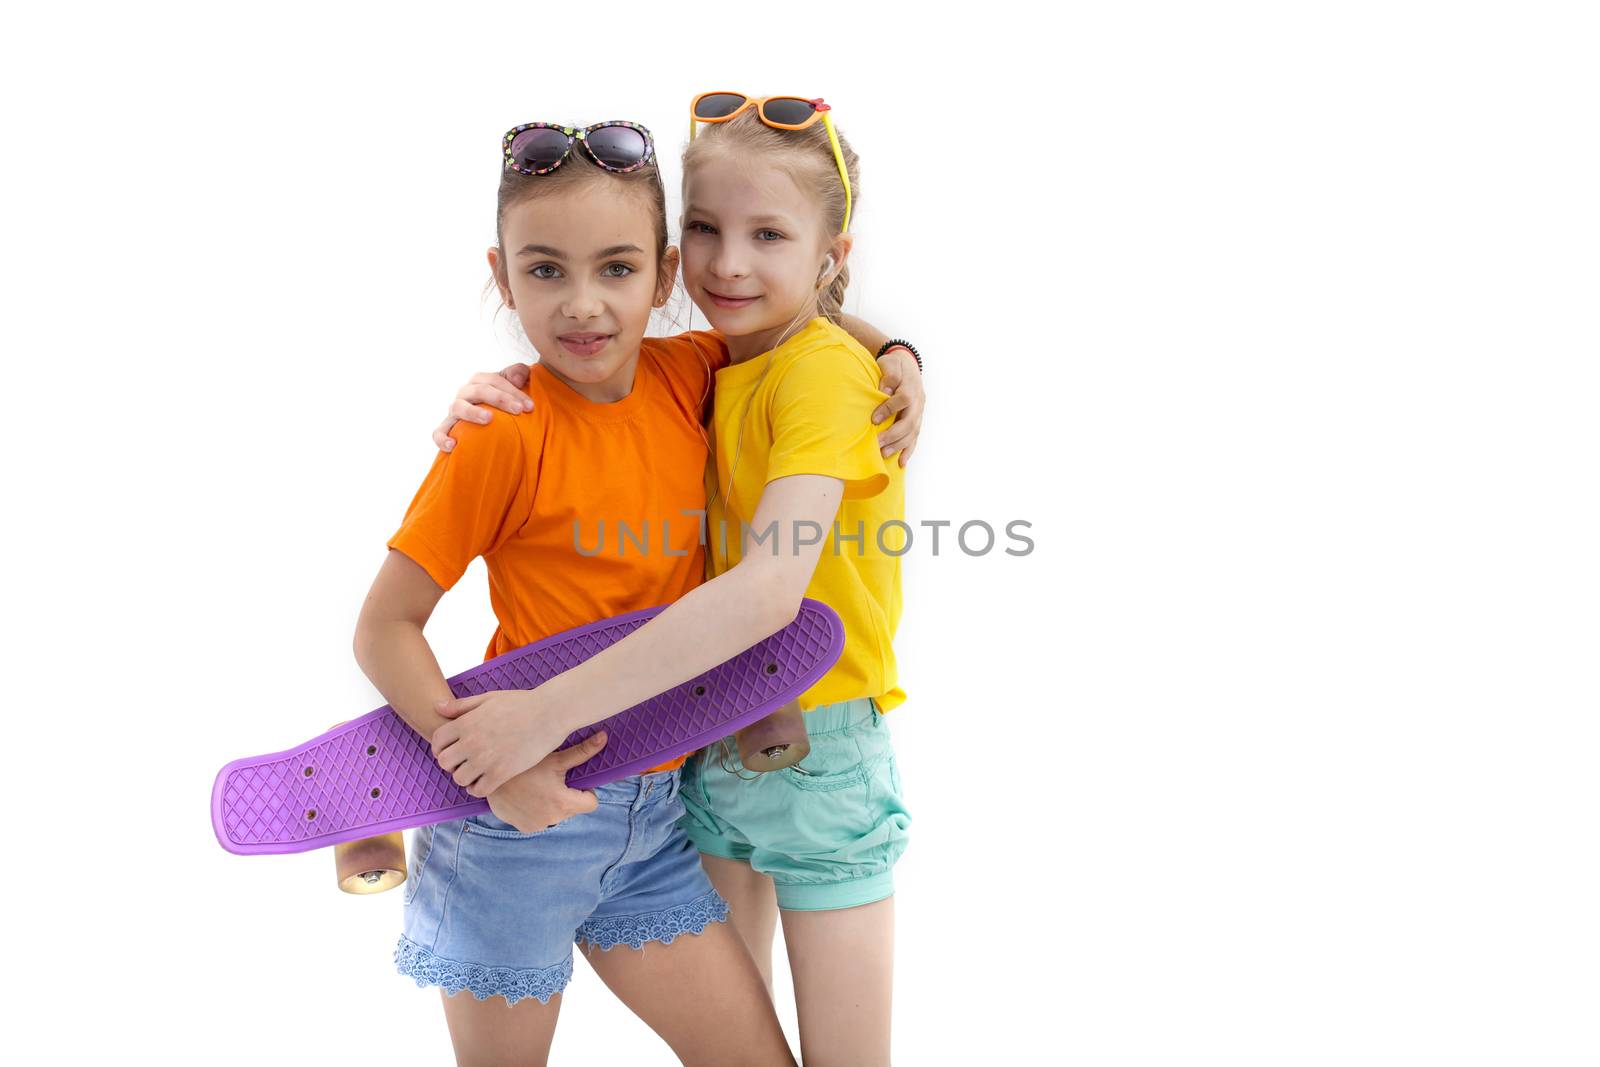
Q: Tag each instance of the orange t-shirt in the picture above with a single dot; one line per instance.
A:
(577, 508)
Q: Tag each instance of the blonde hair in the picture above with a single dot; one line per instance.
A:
(807, 157)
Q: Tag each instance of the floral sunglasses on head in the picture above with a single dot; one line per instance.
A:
(541, 147)
(779, 112)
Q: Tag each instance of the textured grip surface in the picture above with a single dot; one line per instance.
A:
(375, 774)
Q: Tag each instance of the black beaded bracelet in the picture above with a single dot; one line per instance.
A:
(907, 345)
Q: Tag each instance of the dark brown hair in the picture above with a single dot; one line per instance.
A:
(518, 188)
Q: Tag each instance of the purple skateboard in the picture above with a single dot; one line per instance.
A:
(375, 774)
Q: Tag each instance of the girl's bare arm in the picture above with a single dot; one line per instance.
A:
(712, 623)
(390, 647)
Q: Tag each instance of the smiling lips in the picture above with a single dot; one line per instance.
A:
(583, 344)
(731, 301)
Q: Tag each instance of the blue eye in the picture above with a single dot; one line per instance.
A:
(543, 267)
(701, 227)
(776, 236)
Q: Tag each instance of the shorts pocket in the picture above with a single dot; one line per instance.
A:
(417, 861)
(840, 760)
(821, 783)
(839, 768)
(488, 825)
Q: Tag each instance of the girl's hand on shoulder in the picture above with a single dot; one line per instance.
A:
(902, 380)
(503, 390)
(539, 797)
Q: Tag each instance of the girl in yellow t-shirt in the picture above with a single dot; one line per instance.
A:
(803, 503)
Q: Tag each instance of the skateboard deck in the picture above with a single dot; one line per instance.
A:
(374, 774)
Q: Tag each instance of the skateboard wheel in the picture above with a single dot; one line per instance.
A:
(775, 742)
(372, 864)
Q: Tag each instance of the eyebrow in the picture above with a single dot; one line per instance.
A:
(546, 250)
(781, 220)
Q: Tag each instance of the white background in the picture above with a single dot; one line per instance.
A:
(1277, 321)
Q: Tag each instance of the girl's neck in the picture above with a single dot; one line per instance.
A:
(748, 346)
(617, 387)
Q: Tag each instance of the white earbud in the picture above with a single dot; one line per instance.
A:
(827, 265)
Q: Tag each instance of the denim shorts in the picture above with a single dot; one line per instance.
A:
(495, 911)
(827, 830)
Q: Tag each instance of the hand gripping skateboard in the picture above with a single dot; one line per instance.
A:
(375, 775)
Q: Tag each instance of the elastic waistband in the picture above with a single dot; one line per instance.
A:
(639, 790)
(845, 715)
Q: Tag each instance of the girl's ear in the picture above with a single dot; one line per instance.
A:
(839, 247)
(666, 275)
(497, 269)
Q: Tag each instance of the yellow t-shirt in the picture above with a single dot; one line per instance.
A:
(806, 408)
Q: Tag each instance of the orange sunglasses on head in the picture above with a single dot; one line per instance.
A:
(779, 112)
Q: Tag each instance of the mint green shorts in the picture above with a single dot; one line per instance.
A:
(828, 830)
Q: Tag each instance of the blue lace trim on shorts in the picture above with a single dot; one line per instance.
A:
(482, 982)
(662, 926)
